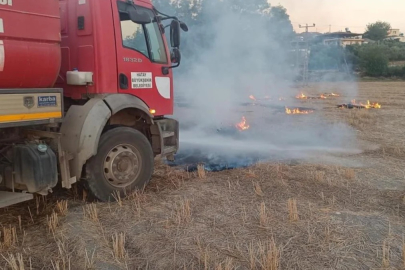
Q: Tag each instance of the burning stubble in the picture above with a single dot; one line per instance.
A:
(232, 98)
(297, 111)
(359, 105)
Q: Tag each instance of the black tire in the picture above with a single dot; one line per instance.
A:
(98, 180)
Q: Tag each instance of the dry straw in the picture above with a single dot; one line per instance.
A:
(350, 174)
(15, 262)
(292, 209)
(403, 252)
(9, 237)
(263, 216)
(118, 243)
(201, 171)
(62, 207)
(264, 256)
(385, 254)
(183, 212)
(53, 222)
(258, 190)
(90, 211)
(117, 197)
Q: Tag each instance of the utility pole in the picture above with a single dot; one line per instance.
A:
(306, 27)
(304, 55)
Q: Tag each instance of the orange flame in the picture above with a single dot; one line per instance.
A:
(242, 125)
(301, 96)
(297, 111)
(323, 97)
(374, 105)
(334, 95)
(252, 97)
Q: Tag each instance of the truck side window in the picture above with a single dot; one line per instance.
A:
(146, 38)
(133, 36)
(157, 48)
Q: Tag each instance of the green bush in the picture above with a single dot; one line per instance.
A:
(395, 72)
(394, 50)
(374, 61)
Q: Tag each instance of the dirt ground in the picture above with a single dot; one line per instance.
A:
(271, 216)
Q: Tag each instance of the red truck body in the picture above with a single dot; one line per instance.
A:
(48, 41)
(85, 88)
(30, 34)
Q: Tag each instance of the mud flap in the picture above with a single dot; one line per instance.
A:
(81, 131)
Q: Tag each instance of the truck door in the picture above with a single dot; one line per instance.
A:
(141, 54)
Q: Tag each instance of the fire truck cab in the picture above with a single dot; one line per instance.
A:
(85, 88)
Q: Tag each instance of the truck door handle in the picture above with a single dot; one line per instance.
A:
(123, 81)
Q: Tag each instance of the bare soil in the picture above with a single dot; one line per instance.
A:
(299, 215)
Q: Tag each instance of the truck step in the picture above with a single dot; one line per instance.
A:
(169, 150)
(10, 198)
(167, 134)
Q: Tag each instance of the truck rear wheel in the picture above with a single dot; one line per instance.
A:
(124, 163)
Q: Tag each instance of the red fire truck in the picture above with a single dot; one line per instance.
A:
(85, 86)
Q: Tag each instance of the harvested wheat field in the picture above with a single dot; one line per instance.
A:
(273, 215)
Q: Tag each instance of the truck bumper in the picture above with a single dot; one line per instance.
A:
(165, 137)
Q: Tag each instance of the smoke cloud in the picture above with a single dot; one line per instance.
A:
(232, 55)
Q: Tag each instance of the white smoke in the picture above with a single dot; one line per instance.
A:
(243, 58)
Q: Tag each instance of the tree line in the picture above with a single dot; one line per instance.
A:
(253, 28)
(204, 20)
(375, 59)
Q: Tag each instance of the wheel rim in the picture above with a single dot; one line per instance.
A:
(122, 165)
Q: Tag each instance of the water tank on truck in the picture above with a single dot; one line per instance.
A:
(30, 54)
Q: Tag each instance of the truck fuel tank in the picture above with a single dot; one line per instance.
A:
(35, 167)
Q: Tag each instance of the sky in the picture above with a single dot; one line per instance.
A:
(354, 14)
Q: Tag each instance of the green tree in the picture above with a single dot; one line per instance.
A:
(374, 61)
(256, 26)
(377, 31)
(280, 25)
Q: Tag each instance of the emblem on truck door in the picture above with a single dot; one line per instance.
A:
(29, 102)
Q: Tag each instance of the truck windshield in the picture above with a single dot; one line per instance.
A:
(144, 38)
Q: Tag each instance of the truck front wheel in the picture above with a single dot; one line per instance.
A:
(124, 163)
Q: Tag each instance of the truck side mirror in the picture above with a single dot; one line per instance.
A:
(175, 57)
(184, 26)
(175, 34)
(139, 17)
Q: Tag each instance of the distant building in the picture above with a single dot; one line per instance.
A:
(343, 39)
(343, 42)
(339, 38)
(395, 34)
